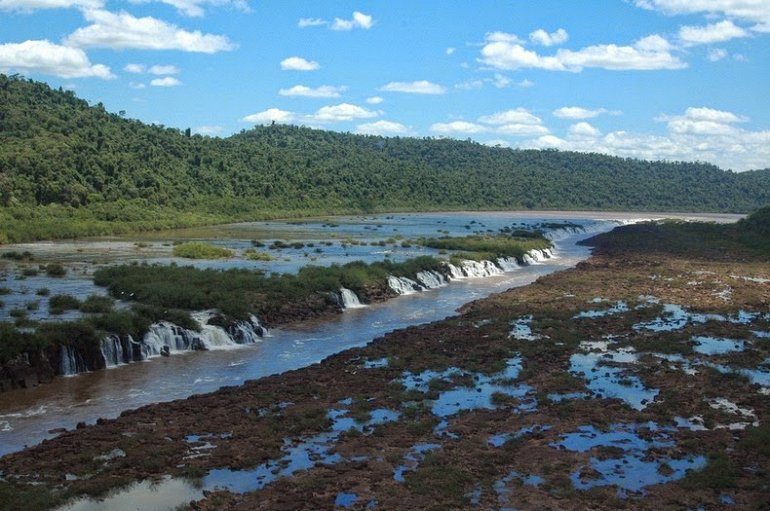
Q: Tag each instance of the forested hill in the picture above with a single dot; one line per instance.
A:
(67, 168)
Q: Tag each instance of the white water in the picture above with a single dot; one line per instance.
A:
(350, 299)
(71, 362)
(431, 279)
(403, 285)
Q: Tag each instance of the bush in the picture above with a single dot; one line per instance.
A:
(198, 250)
(55, 270)
(43, 291)
(60, 303)
(29, 272)
(255, 255)
(96, 303)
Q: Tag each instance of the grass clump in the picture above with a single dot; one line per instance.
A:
(97, 304)
(257, 255)
(479, 247)
(198, 250)
(55, 270)
(57, 304)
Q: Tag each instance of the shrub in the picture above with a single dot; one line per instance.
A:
(96, 303)
(63, 303)
(198, 250)
(55, 270)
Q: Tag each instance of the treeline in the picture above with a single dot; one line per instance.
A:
(70, 169)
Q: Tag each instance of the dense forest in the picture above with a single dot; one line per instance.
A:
(70, 169)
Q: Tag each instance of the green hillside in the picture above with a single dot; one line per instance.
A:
(70, 169)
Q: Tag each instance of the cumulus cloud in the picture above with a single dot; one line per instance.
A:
(516, 116)
(457, 127)
(450, 50)
(157, 69)
(299, 64)
(649, 53)
(124, 31)
(270, 115)
(342, 112)
(540, 36)
(374, 100)
(417, 87)
(713, 33)
(717, 54)
(749, 11)
(382, 128)
(311, 22)
(166, 81)
(324, 91)
(359, 20)
(48, 58)
(583, 129)
(577, 112)
(697, 134)
(27, 6)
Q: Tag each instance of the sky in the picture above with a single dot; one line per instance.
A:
(654, 79)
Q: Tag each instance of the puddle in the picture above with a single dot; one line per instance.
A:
(717, 346)
(634, 469)
(619, 308)
(412, 459)
(675, 317)
(608, 381)
(522, 330)
(145, 495)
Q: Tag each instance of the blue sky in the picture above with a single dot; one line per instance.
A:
(656, 79)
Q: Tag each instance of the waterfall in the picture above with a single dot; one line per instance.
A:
(508, 264)
(455, 272)
(537, 256)
(403, 285)
(71, 362)
(477, 269)
(431, 279)
(117, 351)
(349, 299)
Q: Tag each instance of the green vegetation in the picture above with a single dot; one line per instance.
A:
(256, 255)
(489, 247)
(96, 304)
(68, 169)
(750, 238)
(57, 304)
(239, 292)
(55, 270)
(198, 250)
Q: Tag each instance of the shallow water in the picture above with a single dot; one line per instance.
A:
(27, 416)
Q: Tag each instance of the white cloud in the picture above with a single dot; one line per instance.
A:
(359, 20)
(526, 83)
(163, 70)
(158, 70)
(270, 115)
(417, 87)
(713, 33)
(195, 8)
(577, 112)
(382, 128)
(517, 129)
(324, 91)
(698, 134)
(166, 81)
(648, 53)
(374, 100)
(540, 36)
(470, 85)
(450, 50)
(457, 127)
(27, 6)
(583, 129)
(51, 59)
(342, 112)
(136, 85)
(517, 116)
(716, 54)
(299, 64)
(310, 22)
(502, 37)
(749, 11)
(124, 31)
(208, 130)
(135, 68)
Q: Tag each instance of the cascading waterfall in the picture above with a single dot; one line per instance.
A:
(116, 350)
(455, 273)
(403, 285)
(478, 269)
(508, 264)
(431, 279)
(349, 299)
(71, 362)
